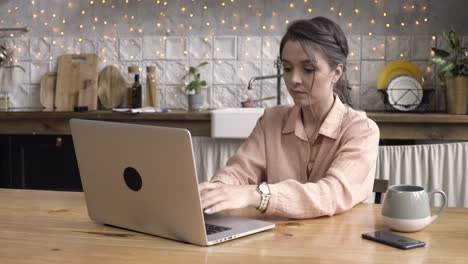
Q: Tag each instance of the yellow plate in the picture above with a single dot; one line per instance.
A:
(395, 68)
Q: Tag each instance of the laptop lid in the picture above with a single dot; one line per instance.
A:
(140, 177)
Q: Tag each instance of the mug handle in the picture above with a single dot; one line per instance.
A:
(443, 205)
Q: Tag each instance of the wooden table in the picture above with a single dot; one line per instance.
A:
(406, 126)
(53, 227)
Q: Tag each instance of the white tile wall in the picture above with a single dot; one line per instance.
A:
(270, 47)
(225, 72)
(201, 48)
(175, 96)
(398, 48)
(19, 97)
(233, 60)
(20, 47)
(248, 69)
(173, 39)
(175, 70)
(176, 48)
(108, 49)
(85, 45)
(154, 47)
(353, 72)
(421, 46)
(225, 47)
(226, 96)
(250, 48)
(61, 45)
(38, 69)
(40, 48)
(373, 47)
(354, 46)
(130, 49)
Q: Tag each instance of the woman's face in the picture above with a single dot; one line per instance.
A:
(307, 82)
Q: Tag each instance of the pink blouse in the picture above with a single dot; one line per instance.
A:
(307, 179)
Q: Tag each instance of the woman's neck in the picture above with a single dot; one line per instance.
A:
(313, 116)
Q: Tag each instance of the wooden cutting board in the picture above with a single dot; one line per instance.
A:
(47, 90)
(76, 79)
(111, 87)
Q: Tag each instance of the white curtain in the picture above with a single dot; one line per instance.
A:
(432, 166)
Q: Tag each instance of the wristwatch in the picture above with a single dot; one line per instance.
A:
(264, 191)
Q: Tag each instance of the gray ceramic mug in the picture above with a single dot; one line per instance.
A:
(407, 208)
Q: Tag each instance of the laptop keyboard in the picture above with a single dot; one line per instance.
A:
(211, 229)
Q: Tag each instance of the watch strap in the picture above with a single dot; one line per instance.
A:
(264, 197)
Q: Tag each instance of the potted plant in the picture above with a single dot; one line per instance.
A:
(194, 87)
(453, 73)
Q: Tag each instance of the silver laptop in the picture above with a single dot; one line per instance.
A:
(144, 178)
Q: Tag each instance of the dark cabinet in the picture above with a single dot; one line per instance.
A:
(39, 162)
(5, 161)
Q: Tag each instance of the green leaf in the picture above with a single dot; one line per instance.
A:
(440, 53)
(438, 60)
(448, 66)
(454, 40)
(202, 64)
(447, 39)
(203, 83)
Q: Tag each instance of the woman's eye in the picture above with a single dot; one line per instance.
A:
(309, 70)
(285, 69)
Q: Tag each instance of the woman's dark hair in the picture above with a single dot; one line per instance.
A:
(326, 36)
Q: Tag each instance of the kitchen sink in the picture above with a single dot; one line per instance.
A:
(234, 122)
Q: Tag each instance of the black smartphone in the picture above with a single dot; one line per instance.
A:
(393, 240)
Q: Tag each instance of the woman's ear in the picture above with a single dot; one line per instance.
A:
(337, 73)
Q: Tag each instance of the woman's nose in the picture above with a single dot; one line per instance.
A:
(296, 78)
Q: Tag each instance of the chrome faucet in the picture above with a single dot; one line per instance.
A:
(278, 76)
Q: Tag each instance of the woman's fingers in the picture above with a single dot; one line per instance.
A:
(210, 198)
(208, 186)
(217, 208)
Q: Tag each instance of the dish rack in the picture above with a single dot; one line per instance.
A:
(422, 106)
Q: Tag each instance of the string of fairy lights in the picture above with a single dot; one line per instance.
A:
(418, 14)
(113, 18)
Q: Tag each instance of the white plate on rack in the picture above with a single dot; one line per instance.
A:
(404, 93)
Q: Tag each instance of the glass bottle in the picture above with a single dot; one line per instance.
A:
(136, 92)
(151, 96)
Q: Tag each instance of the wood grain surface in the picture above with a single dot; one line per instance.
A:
(47, 90)
(111, 87)
(76, 75)
(53, 227)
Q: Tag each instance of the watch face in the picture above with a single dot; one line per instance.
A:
(264, 189)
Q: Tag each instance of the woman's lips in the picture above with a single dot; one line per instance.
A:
(300, 92)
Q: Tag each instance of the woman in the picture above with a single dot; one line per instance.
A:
(315, 158)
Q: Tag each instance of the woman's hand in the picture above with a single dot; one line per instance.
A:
(216, 197)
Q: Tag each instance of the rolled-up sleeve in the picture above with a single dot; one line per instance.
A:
(347, 182)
